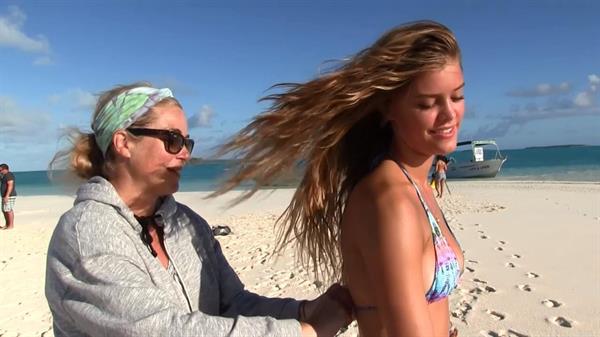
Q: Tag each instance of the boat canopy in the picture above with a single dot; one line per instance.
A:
(477, 142)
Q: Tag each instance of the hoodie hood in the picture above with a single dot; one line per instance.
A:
(98, 189)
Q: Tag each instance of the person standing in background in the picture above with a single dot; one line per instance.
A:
(441, 166)
(9, 195)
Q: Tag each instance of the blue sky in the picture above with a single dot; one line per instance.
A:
(532, 68)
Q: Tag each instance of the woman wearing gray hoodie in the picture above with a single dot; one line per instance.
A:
(128, 260)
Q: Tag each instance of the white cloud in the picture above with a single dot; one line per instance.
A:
(584, 100)
(202, 118)
(21, 124)
(75, 99)
(587, 99)
(564, 86)
(82, 100)
(581, 105)
(11, 34)
(543, 89)
(28, 137)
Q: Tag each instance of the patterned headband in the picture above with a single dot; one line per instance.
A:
(123, 110)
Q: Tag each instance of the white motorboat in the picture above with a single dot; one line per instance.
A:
(478, 167)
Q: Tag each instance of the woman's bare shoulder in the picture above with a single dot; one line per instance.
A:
(382, 197)
(383, 211)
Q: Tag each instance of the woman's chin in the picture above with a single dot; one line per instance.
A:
(173, 188)
(448, 147)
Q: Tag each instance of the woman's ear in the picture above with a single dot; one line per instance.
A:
(383, 106)
(121, 143)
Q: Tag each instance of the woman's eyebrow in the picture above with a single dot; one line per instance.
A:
(434, 95)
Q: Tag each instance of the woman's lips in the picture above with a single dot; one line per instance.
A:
(447, 132)
(176, 170)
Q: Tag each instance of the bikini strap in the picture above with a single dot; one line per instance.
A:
(435, 227)
(416, 188)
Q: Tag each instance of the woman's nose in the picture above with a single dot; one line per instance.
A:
(184, 154)
(448, 110)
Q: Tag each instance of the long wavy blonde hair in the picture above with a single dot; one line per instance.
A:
(333, 126)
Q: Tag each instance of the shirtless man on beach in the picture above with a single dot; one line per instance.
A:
(440, 175)
(8, 193)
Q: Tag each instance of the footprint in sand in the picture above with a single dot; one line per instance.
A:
(469, 269)
(502, 333)
(479, 281)
(561, 321)
(502, 242)
(516, 256)
(479, 290)
(462, 311)
(484, 237)
(490, 289)
(510, 265)
(551, 303)
(472, 261)
(532, 275)
(524, 287)
(499, 249)
(496, 315)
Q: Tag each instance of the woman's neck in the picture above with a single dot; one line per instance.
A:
(139, 202)
(417, 165)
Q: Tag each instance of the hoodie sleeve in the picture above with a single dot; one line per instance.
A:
(234, 298)
(94, 287)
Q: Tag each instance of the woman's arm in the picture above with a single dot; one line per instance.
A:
(393, 252)
(235, 300)
(323, 316)
(96, 285)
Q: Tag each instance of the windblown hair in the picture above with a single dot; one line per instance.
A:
(84, 158)
(333, 125)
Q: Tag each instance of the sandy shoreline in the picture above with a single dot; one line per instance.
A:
(531, 250)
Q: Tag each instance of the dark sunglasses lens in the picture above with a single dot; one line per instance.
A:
(189, 144)
(174, 143)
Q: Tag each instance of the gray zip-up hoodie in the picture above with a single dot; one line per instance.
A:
(102, 280)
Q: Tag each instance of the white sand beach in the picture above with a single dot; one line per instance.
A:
(532, 256)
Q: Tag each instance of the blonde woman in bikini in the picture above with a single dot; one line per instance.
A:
(367, 133)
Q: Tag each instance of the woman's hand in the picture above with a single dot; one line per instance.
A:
(325, 315)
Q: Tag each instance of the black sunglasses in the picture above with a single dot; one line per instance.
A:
(173, 140)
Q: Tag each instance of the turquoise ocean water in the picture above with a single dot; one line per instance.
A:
(562, 163)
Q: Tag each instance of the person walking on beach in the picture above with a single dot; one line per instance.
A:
(128, 260)
(8, 191)
(366, 134)
(441, 167)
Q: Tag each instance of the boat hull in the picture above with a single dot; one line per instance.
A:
(483, 169)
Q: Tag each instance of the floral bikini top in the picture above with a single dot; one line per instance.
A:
(447, 269)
